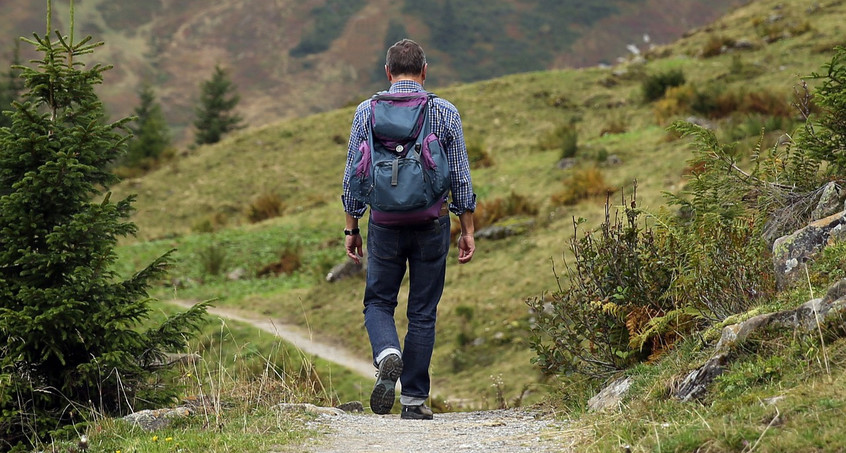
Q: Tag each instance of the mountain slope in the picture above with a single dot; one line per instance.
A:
(198, 203)
(292, 58)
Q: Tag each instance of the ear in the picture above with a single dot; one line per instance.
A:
(388, 73)
(423, 73)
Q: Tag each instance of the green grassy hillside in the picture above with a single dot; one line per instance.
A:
(198, 203)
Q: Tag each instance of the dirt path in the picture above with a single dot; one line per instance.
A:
(297, 336)
(500, 431)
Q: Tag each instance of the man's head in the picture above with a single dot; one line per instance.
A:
(406, 60)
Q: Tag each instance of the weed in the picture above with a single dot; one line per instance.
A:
(582, 183)
(654, 86)
(564, 138)
(265, 206)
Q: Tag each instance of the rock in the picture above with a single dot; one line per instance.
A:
(831, 201)
(611, 396)
(310, 409)
(695, 385)
(346, 269)
(155, 419)
(352, 406)
(506, 228)
(567, 162)
(236, 274)
(789, 252)
(817, 314)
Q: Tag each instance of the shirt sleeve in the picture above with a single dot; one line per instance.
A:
(357, 135)
(461, 184)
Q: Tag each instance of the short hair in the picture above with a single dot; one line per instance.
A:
(406, 57)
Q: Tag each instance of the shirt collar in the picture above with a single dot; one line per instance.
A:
(405, 86)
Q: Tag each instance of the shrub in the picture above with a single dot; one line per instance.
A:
(582, 184)
(489, 212)
(478, 157)
(618, 284)
(654, 86)
(212, 259)
(265, 206)
(563, 137)
(716, 45)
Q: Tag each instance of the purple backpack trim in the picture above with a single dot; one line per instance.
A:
(407, 218)
(363, 168)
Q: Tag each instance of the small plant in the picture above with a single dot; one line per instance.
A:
(212, 259)
(654, 86)
(564, 137)
(582, 184)
(265, 206)
(478, 156)
(716, 45)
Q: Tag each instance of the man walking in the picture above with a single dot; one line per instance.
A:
(422, 247)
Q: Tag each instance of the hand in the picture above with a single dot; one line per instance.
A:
(466, 248)
(354, 247)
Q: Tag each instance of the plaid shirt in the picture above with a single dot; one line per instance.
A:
(446, 124)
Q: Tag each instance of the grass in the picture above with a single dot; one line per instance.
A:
(301, 161)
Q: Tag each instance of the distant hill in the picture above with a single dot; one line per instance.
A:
(292, 58)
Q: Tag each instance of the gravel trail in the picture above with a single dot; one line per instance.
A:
(496, 431)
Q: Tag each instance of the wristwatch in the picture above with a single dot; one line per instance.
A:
(351, 232)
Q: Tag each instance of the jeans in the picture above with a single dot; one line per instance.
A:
(424, 249)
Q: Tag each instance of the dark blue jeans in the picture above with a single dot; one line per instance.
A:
(423, 248)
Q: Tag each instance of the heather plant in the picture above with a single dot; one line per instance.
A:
(71, 332)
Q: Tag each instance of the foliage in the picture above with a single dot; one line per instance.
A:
(825, 138)
(655, 85)
(151, 136)
(618, 282)
(69, 326)
(564, 138)
(214, 114)
(581, 184)
(327, 24)
(265, 206)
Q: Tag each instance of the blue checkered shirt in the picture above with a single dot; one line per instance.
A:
(446, 124)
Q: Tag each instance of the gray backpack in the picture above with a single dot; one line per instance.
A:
(401, 171)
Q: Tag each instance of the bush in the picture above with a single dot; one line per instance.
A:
(617, 285)
(564, 138)
(478, 157)
(654, 86)
(582, 184)
(265, 206)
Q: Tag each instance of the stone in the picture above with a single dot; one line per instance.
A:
(611, 396)
(156, 419)
(311, 409)
(347, 269)
(831, 201)
(352, 406)
(792, 251)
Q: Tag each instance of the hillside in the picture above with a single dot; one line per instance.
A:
(292, 58)
(199, 202)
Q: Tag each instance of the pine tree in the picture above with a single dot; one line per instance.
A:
(70, 328)
(151, 136)
(215, 116)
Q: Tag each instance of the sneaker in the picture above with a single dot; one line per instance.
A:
(421, 412)
(382, 398)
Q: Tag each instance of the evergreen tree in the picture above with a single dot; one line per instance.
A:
(70, 328)
(215, 116)
(151, 136)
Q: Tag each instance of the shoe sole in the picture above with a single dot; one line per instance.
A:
(382, 398)
(415, 416)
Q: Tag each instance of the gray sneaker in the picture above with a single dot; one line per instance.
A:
(421, 412)
(382, 398)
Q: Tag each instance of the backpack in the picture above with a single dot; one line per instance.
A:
(401, 171)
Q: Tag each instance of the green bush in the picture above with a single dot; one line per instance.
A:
(654, 86)
(564, 138)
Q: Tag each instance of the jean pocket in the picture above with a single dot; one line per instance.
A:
(433, 243)
(382, 242)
